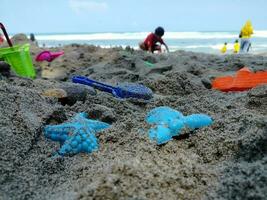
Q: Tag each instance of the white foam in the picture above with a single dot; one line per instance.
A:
(262, 45)
(142, 35)
(93, 36)
(260, 34)
(199, 35)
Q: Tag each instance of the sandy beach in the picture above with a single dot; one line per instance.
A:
(227, 160)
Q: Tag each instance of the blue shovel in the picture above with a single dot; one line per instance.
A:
(126, 90)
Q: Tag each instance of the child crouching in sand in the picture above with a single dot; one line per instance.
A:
(150, 43)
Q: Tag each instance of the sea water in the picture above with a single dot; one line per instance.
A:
(209, 41)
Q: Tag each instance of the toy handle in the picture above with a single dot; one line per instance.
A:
(55, 54)
(93, 83)
(6, 35)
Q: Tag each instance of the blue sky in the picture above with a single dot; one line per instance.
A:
(59, 16)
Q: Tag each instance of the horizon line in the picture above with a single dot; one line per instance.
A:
(43, 33)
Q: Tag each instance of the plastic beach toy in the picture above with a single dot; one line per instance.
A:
(244, 79)
(48, 56)
(126, 90)
(18, 57)
(162, 114)
(77, 135)
(168, 122)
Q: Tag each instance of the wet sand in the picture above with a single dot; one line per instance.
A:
(227, 160)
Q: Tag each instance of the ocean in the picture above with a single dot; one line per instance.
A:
(209, 41)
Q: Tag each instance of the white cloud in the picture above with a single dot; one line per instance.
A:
(81, 6)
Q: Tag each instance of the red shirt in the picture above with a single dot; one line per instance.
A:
(151, 40)
(1, 39)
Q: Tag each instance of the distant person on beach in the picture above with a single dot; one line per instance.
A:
(224, 48)
(1, 39)
(236, 46)
(245, 35)
(32, 37)
(150, 43)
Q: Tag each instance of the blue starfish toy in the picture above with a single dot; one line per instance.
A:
(169, 122)
(76, 136)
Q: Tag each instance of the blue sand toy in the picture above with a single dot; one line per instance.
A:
(161, 134)
(168, 122)
(162, 114)
(76, 136)
(126, 90)
(197, 121)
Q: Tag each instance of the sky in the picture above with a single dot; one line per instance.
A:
(78, 16)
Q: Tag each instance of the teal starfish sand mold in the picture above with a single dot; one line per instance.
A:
(77, 135)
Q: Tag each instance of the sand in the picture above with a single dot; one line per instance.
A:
(227, 160)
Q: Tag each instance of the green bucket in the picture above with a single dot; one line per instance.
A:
(19, 58)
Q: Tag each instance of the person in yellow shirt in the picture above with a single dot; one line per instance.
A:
(236, 46)
(224, 48)
(245, 35)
